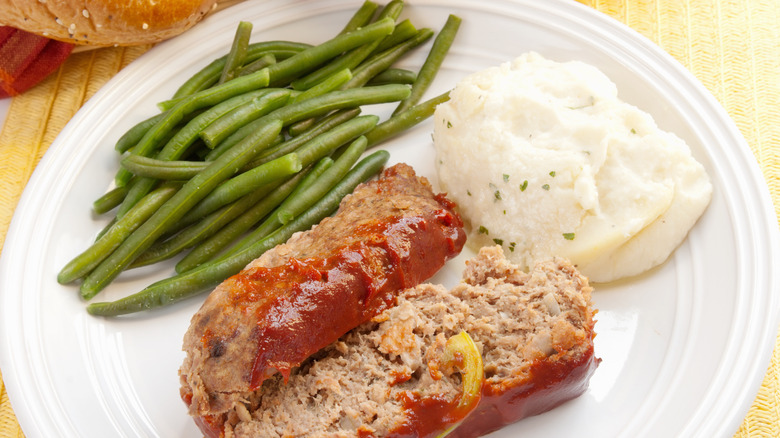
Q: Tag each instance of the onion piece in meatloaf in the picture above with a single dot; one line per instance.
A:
(535, 332)
(389, 234)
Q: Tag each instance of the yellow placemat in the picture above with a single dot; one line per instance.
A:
(34, 120)
(731, 46)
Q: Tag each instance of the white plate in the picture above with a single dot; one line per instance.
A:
(684, 347)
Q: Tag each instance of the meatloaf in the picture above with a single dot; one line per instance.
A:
(534, 330)
(388, 235)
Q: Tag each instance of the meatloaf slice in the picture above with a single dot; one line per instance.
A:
(535, 332)
(388, 235)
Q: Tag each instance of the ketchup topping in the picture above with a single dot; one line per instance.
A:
(548, 384)
(426, 416)
(304, 305)
(265, 320)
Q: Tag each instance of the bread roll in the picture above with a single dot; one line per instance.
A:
(104, 22)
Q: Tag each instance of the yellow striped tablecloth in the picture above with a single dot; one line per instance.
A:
(731, 46)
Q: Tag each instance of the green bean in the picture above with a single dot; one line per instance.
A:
(267, 99)
(258, 64)
(240, 116)
(351, 59)
(210, 74)
(83, 264)
(404, 120)
(298, 202)
(382, 61)
(154, 168)
(325, 124)
(392, 10)
(162, 169)
(256, 50)
(441, 45)
(361, 17)
(309, 59)
(197, 280)
(226, 197)
(319, 184)
(196, 214)
(137, 190)
(214, 94)
(171, 211)
(275, 54)
(201, 99)
(237, 54)
(308, 153)
(203, 229)
(315, 170)
(109, 201)
(245, 183)
(133, 135)
(124, 177)
(210, 248)
(326, 143)
(402, 32)
(324, 104)
(105, 229)
(199, 153)
(394, 76)
(170, 135)
(330, 83)
(297, 128)
(261, 101)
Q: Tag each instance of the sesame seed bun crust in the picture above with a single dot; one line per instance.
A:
(104, 22)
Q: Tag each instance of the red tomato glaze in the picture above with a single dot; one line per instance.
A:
(304, 305)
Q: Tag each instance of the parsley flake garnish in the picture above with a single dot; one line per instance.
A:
(524, 186)
(568, 236)
(498, 241)
(506, 178)
(483, 230)
(546, 187)
(552, 173)
(496, 193)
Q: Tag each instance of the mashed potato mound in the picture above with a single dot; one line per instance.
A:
(545, 160)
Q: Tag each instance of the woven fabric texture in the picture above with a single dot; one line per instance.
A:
(731, 46)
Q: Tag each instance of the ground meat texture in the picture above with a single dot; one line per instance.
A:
(535, 332)
(298, 298)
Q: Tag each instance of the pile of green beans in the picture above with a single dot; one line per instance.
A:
(261, 143)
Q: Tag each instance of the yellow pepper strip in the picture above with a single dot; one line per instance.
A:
(461, 352)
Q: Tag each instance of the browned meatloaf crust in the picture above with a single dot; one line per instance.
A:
(390, 234)
(535, 332)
